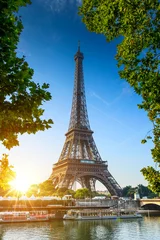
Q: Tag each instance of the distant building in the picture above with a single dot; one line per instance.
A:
(105, 192)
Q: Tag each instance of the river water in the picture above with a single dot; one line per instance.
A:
(137, 229)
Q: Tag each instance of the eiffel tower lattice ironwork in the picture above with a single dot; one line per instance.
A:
(80, 160)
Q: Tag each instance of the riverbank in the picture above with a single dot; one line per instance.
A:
(149, 213)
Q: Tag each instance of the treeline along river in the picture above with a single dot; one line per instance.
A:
(147, 228)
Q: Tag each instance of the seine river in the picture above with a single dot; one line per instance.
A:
(146, 228)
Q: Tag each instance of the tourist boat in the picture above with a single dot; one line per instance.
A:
(99, 215)
(25, 216)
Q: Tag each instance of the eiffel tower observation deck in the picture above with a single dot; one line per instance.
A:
(80, 160)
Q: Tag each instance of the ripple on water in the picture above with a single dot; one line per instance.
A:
(145, 229)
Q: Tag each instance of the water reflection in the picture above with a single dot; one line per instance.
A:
(90, 229)
(144, 229)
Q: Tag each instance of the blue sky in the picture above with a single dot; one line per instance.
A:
(49, 41)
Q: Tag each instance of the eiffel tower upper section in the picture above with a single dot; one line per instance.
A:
(79, 115)
(79, 142)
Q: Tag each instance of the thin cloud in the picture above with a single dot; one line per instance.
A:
(113, 118)
(133, 133)
(55, 37)
(60, 5)
(79, 2)
(100, 98)
(126, 91)
(24, 52)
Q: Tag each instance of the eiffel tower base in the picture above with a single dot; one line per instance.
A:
(86, 172)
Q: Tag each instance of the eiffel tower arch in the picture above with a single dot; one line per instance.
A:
(80, 160)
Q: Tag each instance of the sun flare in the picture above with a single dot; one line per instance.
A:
(20, 184)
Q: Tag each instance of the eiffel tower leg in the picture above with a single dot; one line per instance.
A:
(66, 181)
(87, 182)
(63, 182)
(71, 182)
(82, 182)
(110, 183)
(92, 184)
(55, 182)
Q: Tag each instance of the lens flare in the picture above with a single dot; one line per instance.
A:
(20, 183)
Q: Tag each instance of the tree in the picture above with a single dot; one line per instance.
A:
(20, 97)
(33, 190)
(61, 191)
(82, 193)
(145, 191)
(70, 192)
(46, 188)
(6, 173)
(128, 191)
(136, 24)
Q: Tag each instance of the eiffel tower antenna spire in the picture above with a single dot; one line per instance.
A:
(79, 46)
(80, 160)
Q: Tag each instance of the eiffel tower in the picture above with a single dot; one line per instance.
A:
(80, 160)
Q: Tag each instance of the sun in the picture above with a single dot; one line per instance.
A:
(20, 183)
